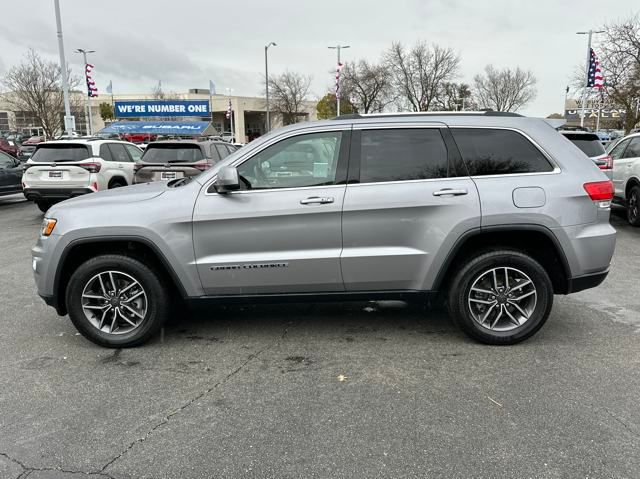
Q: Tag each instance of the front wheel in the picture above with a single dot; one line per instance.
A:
(44, 205)
(116, 301)
(501, 297)
(633, 206)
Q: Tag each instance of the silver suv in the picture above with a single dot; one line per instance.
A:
(496, 212)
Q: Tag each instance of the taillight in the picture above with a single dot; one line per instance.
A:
(91, 167)
(600, 192)
(608, 163)
(202, 166)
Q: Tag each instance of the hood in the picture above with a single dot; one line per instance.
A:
(117, 196)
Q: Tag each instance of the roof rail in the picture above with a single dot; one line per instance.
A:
(356, 116)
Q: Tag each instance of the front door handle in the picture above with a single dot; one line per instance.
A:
(317, 200)
(450, 192)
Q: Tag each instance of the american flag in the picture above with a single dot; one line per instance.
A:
(229, 110)
(92, 90)
(595, 78)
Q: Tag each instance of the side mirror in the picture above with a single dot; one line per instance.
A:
(227, 180)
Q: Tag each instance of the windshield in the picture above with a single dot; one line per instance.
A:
(589, 144)
(60, 152)
(172, 154)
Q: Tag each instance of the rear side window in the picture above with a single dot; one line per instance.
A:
(633, 150)
(498, 152)
(105, 152)
(402, 155)
(172, 153)
(118, 153)
(60, 152)
(588, 143)
(222, 151)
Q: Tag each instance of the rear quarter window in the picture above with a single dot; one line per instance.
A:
(60, 152)
(489, 151)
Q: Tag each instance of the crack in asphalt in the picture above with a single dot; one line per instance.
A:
(623, 423)
(191, 401)
(27, 470)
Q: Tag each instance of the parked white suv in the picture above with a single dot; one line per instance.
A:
(58, 170)
(626, 175)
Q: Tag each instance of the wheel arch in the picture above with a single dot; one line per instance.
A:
(535, 240)
(78, 251)
(117, 179)
(631, 182)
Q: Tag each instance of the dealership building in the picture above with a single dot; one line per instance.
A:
(249, 113)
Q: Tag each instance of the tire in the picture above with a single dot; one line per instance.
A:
(44, 205)
(117, 184)
(468, 308)
(633, 206)
(92, 278)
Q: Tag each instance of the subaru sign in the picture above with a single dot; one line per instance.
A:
(138, 109)
(191, 128)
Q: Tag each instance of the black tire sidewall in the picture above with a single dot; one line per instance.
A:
(157, 298)
(634, 222)
(461, 285)
(44, 205)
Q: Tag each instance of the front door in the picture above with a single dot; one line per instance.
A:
(10, 174)
(407, 201)
(281, 233)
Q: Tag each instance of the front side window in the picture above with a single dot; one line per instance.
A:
(498, 152)
(300, 161)
(633, 150)
(6, 162)
(402, 155)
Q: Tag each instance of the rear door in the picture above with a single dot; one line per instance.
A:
(408, 200)
(58, 165)
(10, 174)
(619, 167)
(122, 161)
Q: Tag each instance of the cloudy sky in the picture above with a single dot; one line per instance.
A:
(187, 42)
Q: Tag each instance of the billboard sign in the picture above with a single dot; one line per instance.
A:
(576, 114)
(139, 109)
(189, 128)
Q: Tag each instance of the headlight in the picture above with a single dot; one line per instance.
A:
(47, 226)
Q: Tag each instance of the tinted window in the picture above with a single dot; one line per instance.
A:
(172, 153)
(231, 148)
(6, 162)
(633, 150)
(588, 143)
(105, 153)
(498, 152)
(60, 152)
(118, 153)
(618, 150)
(402, 154)
(134, 152)
(222, 151)
(304, 160)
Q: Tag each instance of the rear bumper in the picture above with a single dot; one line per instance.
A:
(580, 283)
(37, 194)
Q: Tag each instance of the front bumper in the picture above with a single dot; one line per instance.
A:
(37, 194)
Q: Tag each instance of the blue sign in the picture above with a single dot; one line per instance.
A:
(137, 109)
(158, 127)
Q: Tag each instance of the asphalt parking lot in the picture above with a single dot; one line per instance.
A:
(355, 390)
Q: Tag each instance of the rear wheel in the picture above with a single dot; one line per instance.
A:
(501, 297)
(44, 205)
(116, 301)
(117, 184)
(633, 206)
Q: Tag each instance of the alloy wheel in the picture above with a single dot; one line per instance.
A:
(502, 299)
(114, 302)
(633, 207)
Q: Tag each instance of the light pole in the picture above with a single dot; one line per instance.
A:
(586, 71)
(68, 121)
(266, 79)
(338, 48)
(84, 56)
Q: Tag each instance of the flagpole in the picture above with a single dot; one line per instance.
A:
(586, 78)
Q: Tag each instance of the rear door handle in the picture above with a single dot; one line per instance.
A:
(319, 200)
(450, 192)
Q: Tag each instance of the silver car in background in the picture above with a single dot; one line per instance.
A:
(493, 212)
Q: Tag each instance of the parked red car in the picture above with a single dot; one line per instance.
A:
(9, 147)
(138, 137)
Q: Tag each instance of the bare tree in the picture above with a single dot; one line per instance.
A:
(35, 86)
(367, 85)
(455, 97)
(287, 94)
(420, 72)
(620, 62)
(504, 90)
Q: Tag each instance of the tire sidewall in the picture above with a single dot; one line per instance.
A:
(634, 221)
(156, 298)
(458, 297)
